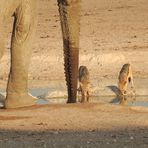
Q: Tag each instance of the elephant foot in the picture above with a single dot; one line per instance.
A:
(15, 100)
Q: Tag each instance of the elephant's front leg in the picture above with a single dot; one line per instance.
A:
(17, 91)
(2, 41)
(70, 22)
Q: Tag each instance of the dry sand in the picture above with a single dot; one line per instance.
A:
(113, 32)
(75, 125)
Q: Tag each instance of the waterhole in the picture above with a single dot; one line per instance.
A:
(41, 94)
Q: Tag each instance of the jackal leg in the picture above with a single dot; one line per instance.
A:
(131, 81)
(70, 23)
(123, 91)
(83, 97)
(87, 96)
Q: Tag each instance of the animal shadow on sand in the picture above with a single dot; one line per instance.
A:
(116, 90)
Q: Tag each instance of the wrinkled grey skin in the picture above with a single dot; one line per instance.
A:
(24, 12)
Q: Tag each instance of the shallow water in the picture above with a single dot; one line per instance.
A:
(138, 103)
(41, 94)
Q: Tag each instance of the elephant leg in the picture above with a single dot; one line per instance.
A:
(2, 40)
(70, 23)
(2, 31)
(6, 11)
(17, 92)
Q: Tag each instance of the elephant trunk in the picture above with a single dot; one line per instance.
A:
(70, 22)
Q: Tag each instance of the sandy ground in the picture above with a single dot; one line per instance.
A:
(112, 33)
(75, 125)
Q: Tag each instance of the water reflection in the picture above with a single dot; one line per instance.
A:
(41, 94)
(42, 102)
(138, 103)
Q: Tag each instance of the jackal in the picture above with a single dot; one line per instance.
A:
(84, 83)
(125, 78)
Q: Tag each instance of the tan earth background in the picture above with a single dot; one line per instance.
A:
(113, 32)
